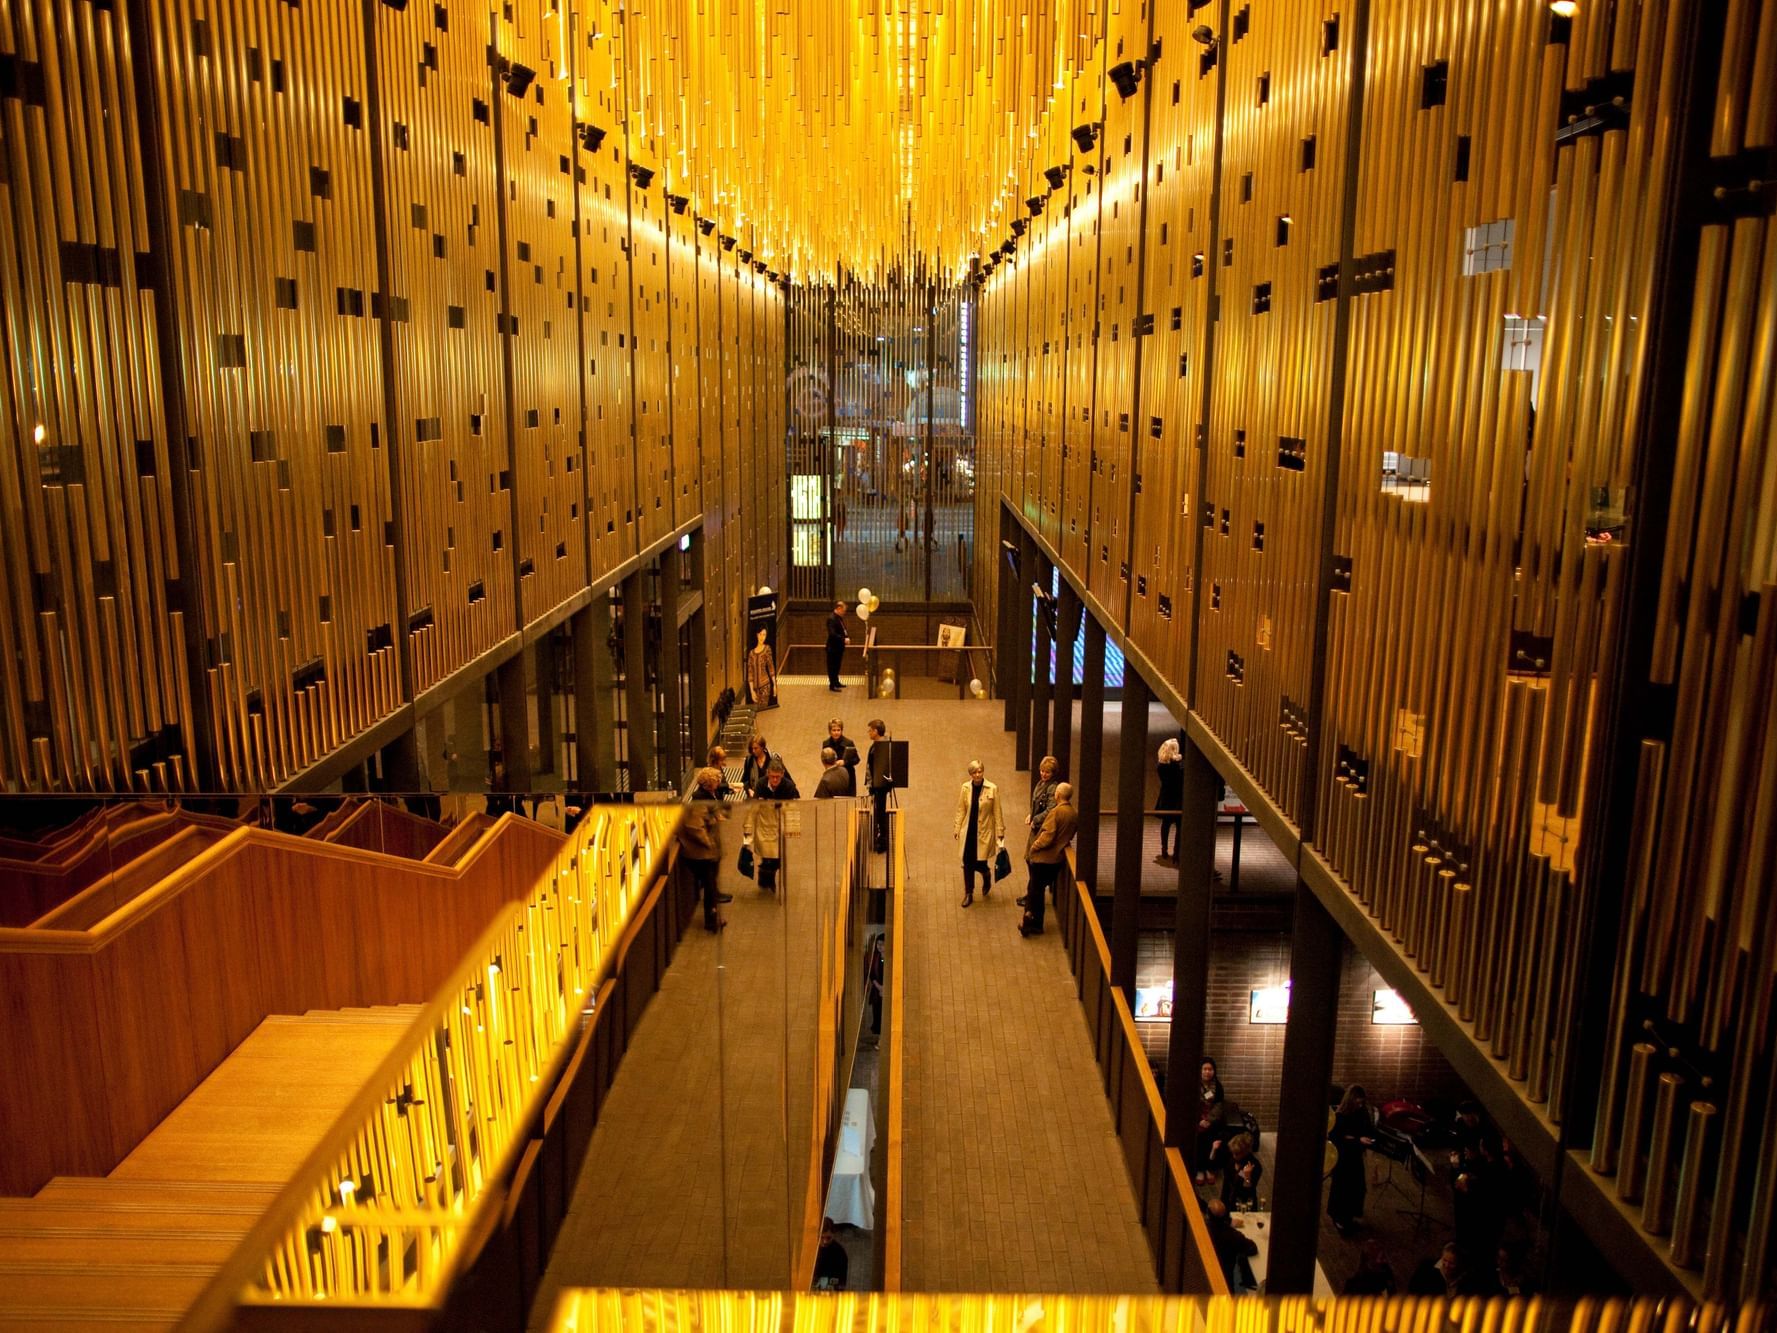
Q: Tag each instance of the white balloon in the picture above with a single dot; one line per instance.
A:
(975, 687)
(765, 590)
(863, 610)
(863, 594)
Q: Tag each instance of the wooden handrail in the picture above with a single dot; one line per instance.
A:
(216, 1303)
(21, 939)
(1179, 1175)
(895, 1203)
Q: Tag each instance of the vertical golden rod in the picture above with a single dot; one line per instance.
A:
(1632, 1166)
(1656, 1207)
(1690, 1183)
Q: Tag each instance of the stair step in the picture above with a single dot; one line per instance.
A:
(27, 1217)
(262, 1111)
(227, 1194)
(102, 1245)
(143, 1290)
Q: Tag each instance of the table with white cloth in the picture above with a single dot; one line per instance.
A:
(851, 1199)
(1256, 1227)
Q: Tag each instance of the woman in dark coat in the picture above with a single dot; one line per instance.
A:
(1351, 1133)
(1171, 769)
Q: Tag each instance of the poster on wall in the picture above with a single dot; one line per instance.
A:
(759, 663)
(1270, 1004)
(951, 638)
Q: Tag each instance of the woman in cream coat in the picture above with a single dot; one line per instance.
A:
(986, 830)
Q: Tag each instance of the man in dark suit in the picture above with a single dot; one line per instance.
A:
(835, 777)
(836, 641)
(1044, 857)
(879, 777)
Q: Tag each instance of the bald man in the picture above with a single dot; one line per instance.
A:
(1044, 857)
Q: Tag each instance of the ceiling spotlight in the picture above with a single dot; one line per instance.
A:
(758, 266)
(706, 225)
(1126, 77)
(746, 256)
(1563, 9)
(1018, 226)
(642, 176)
(518, 77)
(1056, 175)
(727, 242)
(1085, 136)
(1203, 36)
(591, 136)
(1034, 204)
(678, 203)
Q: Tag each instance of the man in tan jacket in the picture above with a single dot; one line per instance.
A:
(1044, 856)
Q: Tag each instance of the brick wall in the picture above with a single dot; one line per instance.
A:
(1388, 1061)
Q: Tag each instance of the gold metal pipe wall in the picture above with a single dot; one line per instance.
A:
(545, 410)
(1508, 194)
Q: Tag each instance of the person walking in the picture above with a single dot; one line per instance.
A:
(979, 824)
(879, 774)
(835, 777)
(837, 638)
(1352, 1132)
(1171, 767)
(1042, 796)
(1044, 857)
(765, 823)
(700, 839)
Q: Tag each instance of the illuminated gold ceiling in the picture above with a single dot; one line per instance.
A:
(855, 132)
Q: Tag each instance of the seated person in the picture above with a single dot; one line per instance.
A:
(1437, 1277)
(1373, 1277)
(831, 1264)
(1240, 1177)
(1233, 1250)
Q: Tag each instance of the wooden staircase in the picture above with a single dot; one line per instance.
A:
(132, 1250)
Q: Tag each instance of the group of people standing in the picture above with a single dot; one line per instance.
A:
(980, 824)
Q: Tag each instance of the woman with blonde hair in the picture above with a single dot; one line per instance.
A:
(1171, 765)
(978, 814)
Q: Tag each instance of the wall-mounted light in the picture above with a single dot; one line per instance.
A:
(591, 136)
(642, 176)
(1202, 35)
(1085, 136)
(706, 225)
(1056, 176)
(518, 77)
(1126, 77)
(678, 203)
(1035, 204)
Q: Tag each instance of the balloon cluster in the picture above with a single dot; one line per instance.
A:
(867, 603)
(977, 689)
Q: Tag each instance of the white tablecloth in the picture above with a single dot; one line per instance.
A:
(1257, 1227)
(851, 1200)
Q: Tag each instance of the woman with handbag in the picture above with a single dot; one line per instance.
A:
(765, 823)
(979, 817)
(1042, 796)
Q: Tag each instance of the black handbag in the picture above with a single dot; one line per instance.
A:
(1002, 866)
(745, 864)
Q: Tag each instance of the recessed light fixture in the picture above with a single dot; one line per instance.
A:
(1563, 9)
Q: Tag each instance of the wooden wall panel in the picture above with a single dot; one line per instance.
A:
(449, 433)
(91, 650)
(1174, 368)
(1271, 392)
(653, 401)
(721, 594)
(1114, 447)
(603, 184)
(1081, 336)
(540, 298)
(686, 392)
(268, 180)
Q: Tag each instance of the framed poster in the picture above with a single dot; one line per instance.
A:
(950, 637)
